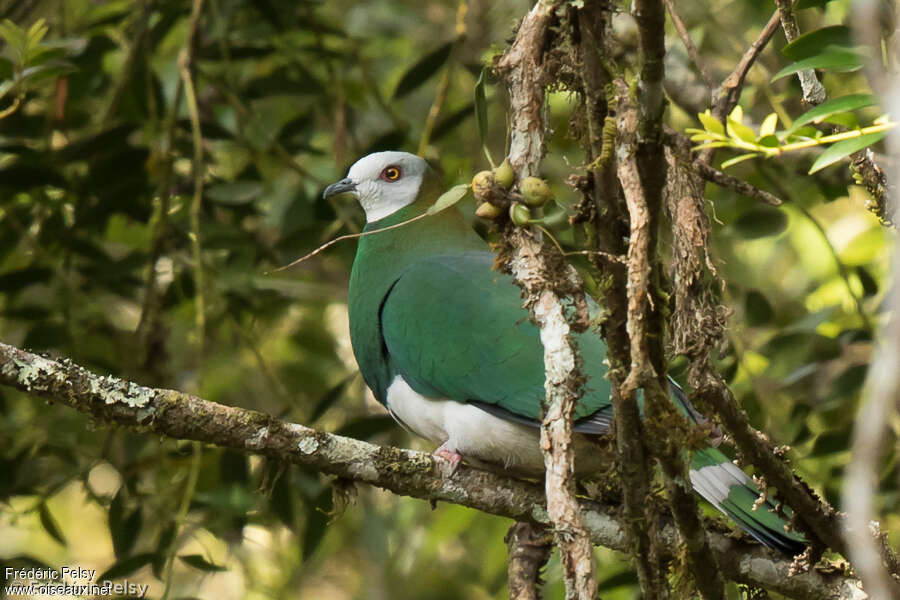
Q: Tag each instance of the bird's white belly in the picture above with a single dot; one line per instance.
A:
(469, 430)
(475, 433)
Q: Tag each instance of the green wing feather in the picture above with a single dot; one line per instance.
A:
(454, 328)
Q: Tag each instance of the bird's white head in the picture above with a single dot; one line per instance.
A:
(383, 182)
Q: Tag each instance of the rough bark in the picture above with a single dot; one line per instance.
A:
(529, 549)
(115, 402)
(545, 279)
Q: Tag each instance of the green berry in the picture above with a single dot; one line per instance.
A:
(504, 175)
(486, 210)
(519, 214)
(481, 185)
(535, 191)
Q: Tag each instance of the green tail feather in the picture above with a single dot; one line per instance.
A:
(731, 491)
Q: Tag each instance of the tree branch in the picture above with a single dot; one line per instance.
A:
(726, 96)
(545, 277)
(113, 401)
(529, 549)
(692, 51)
(813, 90)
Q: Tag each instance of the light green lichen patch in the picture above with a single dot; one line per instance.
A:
(115, 391)
(32, 375)
(308, 445)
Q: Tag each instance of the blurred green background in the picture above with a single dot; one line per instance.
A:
(96, 265)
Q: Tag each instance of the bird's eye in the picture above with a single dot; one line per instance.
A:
(391, 173)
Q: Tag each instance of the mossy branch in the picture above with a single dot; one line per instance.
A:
(113, 401)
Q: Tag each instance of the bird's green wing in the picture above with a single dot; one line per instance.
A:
(454, 328)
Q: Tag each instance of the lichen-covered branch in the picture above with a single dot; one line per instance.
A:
(113, 401)
(545, 278)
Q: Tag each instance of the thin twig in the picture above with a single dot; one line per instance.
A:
(189, 487)
(733, 183)
(185, 60)
(692, 51)
(349, 236)
(726, 96)
(443, 86)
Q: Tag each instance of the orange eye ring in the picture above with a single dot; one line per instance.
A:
(391, 173)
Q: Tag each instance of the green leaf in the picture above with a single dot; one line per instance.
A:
(833, 59)
(740, 132)
(163, 545)
(123, 529)
(331, 396)
(759, 310)
(49, 524)
(127, 566)
(869, 285)
(835, 105)
(449, 198)
(801, 4)
(420, 72)
(831, 442)
(739, 159)
(846, 120)
(840, 150)
(451, 121)
(760, 222)
(812, 43)
(316, 522)
(710, 123)
(198, 562)
(481, 115)
(366, 427)
(47, 70)
(235, 193)
(768, 125)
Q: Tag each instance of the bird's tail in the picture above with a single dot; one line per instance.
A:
(730, 490)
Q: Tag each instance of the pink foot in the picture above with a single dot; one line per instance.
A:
(451, 456)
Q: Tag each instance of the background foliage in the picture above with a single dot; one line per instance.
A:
(96, 265)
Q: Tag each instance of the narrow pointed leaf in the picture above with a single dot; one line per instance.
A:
(481, 116)
(739, 159)
(833, 59)
(449, 198)
(127, 566)
(768, 125)
(840, 150)
(759, 222)
(49, 524)
(810, 44)
(739, 131)
(420, 72)
(835, 105)
(846, 120)
(198, 562)
(712, 124)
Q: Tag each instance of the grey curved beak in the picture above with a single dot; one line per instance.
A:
(344, 185)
